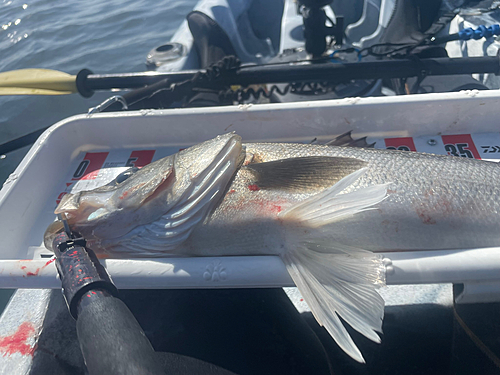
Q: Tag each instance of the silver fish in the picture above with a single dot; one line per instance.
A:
(324, 210)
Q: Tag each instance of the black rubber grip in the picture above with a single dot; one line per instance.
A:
(79, 270)
(111, 339)
(81, 83)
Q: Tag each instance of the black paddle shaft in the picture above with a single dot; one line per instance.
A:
(307, 72)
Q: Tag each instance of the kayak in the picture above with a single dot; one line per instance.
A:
(455, 116)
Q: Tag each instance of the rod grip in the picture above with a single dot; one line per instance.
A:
(79, 270)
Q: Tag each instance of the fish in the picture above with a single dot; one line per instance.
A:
(326, 211)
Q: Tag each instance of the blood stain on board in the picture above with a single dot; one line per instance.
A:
(37, 271)
(17, 342)
(33, 273)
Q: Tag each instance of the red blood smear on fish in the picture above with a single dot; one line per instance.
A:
(125, 193)
(23, 267)
(253, 187)
(16, 343)
(276, 208)
(50, 261)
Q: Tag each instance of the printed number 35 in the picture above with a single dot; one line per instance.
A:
(460, 149)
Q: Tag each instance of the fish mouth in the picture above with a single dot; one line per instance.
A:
(70, 202)
(78, 209)
(51, 232)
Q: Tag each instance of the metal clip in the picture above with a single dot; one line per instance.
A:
(65, 224)
(105, 104)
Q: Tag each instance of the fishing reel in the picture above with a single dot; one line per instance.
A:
(315, 26)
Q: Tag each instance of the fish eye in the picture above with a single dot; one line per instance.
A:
(124, 175)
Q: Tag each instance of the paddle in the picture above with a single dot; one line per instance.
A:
(50, 82)
(37, 82)
(54, 82)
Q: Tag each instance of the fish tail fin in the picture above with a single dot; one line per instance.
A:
(336, 280)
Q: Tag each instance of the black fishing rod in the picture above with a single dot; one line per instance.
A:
(301, 72)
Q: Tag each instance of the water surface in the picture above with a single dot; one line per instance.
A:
(103, 36)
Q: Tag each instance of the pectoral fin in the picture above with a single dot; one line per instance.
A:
(336, 280)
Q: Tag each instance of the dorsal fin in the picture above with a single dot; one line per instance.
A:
(346, 140)
(303, 173)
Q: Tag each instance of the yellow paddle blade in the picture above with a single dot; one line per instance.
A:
(27, 91)
(37, 82)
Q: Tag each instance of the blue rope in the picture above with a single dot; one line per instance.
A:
(480, 32)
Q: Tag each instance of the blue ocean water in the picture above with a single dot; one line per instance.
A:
(103, 36)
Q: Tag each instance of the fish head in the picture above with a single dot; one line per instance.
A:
(141, 196)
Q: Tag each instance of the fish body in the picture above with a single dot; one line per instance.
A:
(433, 201)
(324, 210)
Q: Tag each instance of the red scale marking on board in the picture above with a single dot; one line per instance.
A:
(404, 143)
(140, 158)
(90, 166)
(460, 145)
(17, 342)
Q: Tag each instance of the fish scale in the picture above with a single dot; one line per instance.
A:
(439, 202)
